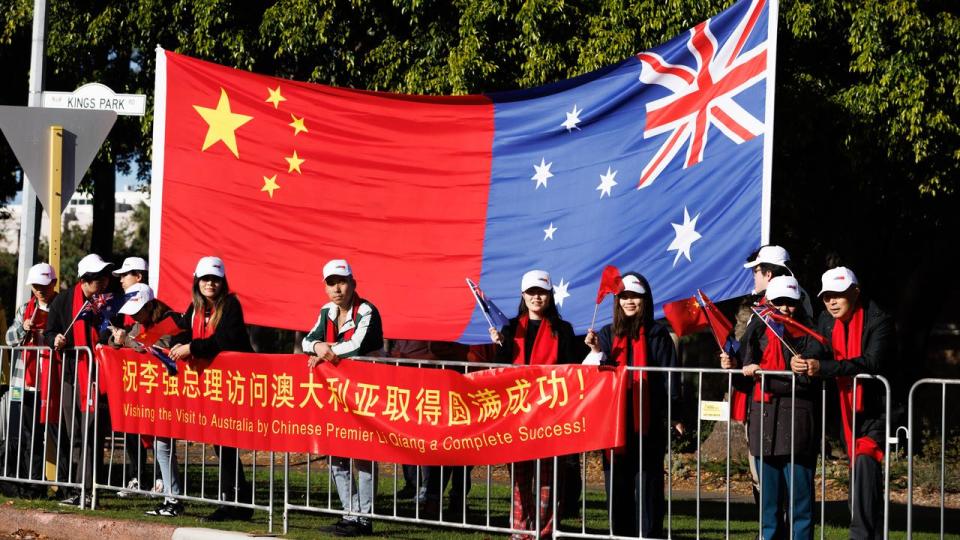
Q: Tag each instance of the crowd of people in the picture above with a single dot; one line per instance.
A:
(852, 336)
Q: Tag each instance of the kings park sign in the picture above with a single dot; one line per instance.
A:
(97, 97)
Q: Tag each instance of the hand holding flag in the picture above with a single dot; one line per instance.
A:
(490, 311)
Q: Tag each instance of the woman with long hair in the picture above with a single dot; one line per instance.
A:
(147, 312)
(213, 323)
(537, 335)
(634, 339)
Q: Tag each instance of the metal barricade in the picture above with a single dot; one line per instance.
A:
(309, 484)
(912, 436)
(240, 479)
(49, 421)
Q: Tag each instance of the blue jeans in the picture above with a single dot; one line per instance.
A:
(776, 476)
(165, 452)
(354, 497)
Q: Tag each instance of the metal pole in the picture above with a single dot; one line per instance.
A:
(28, 203)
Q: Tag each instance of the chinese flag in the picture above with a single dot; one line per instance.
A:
(277, 177)
(610, 283)
(685, 316)
(722, 328)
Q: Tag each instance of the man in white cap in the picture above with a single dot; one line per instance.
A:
(347, 326)
(93, 277)
(769, 262)
(133, 270)
(27, 330)
(864, 341)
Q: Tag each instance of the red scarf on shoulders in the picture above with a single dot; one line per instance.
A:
(331, 334)
(544, 344)
(847, 339)
(618, 353)
(200, 324)
(82, 338)
(49, 390)
(772, 360)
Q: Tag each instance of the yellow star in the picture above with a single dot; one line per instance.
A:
(222, 124)
(275, 97)
(294, 161)
(297, 125)
(270, 185)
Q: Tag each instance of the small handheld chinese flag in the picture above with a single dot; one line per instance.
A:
(685, 316)
(722, 328)
(610, 283)
(166, 327)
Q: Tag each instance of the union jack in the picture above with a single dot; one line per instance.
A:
(703, 96)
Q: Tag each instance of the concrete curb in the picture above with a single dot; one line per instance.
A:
(67, 526)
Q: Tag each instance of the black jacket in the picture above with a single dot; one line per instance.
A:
(661, 352)
(568, 351)
(230, 335)
(776, 414)
(878, 351)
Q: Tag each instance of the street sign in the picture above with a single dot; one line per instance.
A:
(97, 97)
(27, 129)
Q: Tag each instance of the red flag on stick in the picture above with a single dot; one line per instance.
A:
(685, 316)
(610, 283)
(722, 328)
(795, 328)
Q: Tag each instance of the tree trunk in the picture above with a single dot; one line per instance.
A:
(104, 203)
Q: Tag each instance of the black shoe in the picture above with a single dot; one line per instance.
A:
(333, 528)
(222, 513)
(167, 509)
(75, 501)
(361, 527)
(407, 492)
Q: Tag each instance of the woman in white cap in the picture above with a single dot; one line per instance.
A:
(147, 312)
(773, 407)
(863, 337)
(28, 377)
(634, 339)
(213, 323)
(537, 335)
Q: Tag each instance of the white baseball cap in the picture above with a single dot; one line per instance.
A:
(41, 274)
(210, 266)
(775, 255)
(130, 264)
(91, 264)
(536, 278)
(137, 295)
(337, 267)
(632, 283)
(837, 279)
(783, 287)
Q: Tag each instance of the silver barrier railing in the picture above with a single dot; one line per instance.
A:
(424, 506)
(912, 436)
(62, 459)
(227, 485)
(492, 518)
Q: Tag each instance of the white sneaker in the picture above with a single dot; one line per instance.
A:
(133, 486)
(158, 486)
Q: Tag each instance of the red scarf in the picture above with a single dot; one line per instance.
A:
(38, 317)
(332, 336)
(49, 390)
(201, 328)
(82, 331)
(772, 360)
(544, 344)
(619, 355)
(847, 340)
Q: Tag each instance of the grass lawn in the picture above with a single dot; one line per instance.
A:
(743, 522)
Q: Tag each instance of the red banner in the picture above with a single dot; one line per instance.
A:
(417, 416)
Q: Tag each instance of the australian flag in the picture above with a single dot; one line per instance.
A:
(659, 164)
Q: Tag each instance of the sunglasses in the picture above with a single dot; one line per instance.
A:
(785, 302)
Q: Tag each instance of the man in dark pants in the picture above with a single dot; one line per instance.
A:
(864, 342)
(78, 404)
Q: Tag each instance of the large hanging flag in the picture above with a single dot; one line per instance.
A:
(658, 164)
